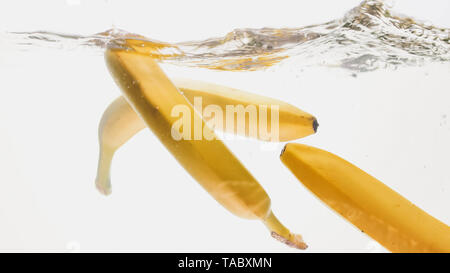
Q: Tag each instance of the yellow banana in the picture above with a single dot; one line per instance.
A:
(153, 96)
(293, 123)
(367, 203)
(120, 122)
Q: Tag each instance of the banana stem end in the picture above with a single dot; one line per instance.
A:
(282, 234)
(103, 188)
(295, 240)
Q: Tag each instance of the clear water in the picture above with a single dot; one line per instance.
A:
(377, 82)
(368, 37)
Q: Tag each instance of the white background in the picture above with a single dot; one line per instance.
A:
(392, 124)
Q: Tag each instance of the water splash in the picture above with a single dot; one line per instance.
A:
(368, 37)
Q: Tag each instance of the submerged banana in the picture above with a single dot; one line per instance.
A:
(293, 123)
(120, 122)
(367, 203)
(153, 96)
(288, 123)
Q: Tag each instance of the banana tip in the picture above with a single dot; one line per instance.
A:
(283, 150)
(296, 241)
(103, 190)
(315, 125)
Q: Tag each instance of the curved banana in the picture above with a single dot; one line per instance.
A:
(120, 122)
(366, 202)
(293, 123)
(153, 96)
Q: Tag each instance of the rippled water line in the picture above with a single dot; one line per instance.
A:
(368, 37)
